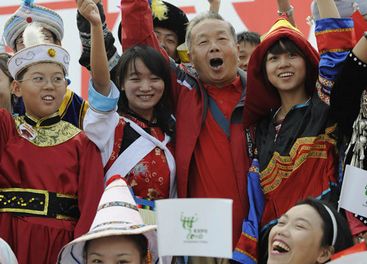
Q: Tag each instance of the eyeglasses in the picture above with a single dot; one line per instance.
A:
(41, 81)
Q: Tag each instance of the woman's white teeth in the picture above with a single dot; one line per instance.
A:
(280, 247)
(285, 74)
(145, 97)
(48, 98)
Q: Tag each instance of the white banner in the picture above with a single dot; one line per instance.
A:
(356, 258)
(254, 15)
(195, 227)
(353, 195)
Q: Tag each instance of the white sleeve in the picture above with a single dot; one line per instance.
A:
(100, 125)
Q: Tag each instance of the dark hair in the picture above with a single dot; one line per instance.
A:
(158, 65)
(4, 58)
(285, 45)
(344, 237)
(249, 36)
(140, 241)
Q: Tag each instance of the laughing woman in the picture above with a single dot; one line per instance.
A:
(295, 131)
(308, 233)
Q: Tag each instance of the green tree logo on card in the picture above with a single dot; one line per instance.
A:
(194, 234)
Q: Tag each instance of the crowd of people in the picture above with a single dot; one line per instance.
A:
(188, 109)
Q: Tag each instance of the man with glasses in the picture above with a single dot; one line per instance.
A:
(73, 107)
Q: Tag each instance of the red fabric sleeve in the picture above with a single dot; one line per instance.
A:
(137, 25)
(90, 184)
(7, 128)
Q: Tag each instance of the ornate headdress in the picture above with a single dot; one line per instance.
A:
(27, 13)
(37, 51)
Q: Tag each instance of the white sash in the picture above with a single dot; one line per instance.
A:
(141, 147)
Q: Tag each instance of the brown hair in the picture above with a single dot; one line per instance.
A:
(4, 58)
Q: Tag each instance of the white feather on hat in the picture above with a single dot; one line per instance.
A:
(27, 13)
(33, 35)
(37, 51)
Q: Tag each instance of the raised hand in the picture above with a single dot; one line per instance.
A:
(89, 10)
(214, 6)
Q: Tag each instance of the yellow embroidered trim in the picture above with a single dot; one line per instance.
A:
(334, 31)
(29, 211)
(24, 203)
(330, 130)
(281, 23)
(287, 163)
(64, 217)
(249, 237)
(66, 102)
(281, 167)
(246, 253)
(326, 82)
(82, 112)
(66, 196)
(50, 135)
(323, 96)
(39, 121)
(333, 50)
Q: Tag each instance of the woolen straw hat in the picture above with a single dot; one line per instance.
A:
(27, 13)
(117, 214)
(6, 254)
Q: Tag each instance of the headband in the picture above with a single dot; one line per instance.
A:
(333, 220)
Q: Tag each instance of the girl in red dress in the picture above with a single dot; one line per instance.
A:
(135, 140)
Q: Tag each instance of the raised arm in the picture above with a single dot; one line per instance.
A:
(85, 38)
(334, 37)
(327, 9)
(137, 25)
(360, 50)
(285, 7)
(214, 6)
(99, 65)
(348, 88)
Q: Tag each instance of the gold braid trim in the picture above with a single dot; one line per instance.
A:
(334, 50)
(281, 167)
(247, 254)
(68, 98)
(333, 31)
(47, 136)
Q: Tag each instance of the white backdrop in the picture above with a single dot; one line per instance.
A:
(232, 10)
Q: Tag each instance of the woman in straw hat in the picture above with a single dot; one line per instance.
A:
(117, 235)
(73, 107)
(51, 175)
